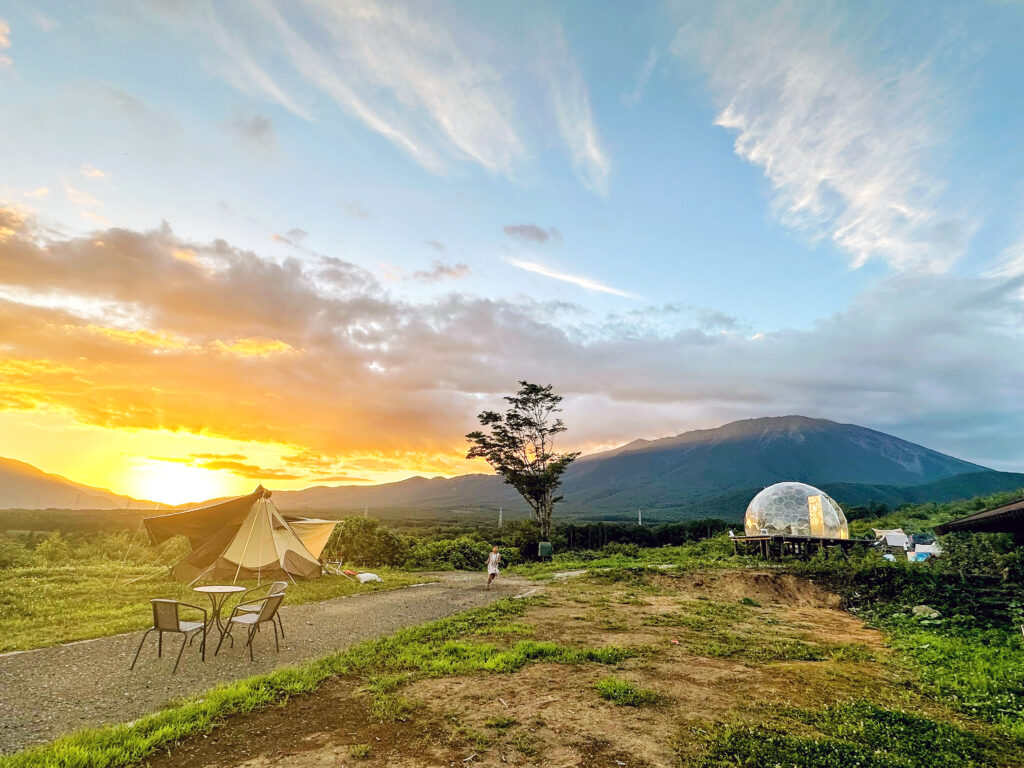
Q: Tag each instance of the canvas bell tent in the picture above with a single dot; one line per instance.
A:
(244, 538)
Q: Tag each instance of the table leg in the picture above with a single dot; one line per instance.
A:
(217, 602)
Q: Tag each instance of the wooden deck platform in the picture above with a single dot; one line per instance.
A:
(777, 545)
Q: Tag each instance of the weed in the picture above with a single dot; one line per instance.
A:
(624, 693)
(523, 743)
(750, 601)
(500, 722)
(359, 751)
(387, 706)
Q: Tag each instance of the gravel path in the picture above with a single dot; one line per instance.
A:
(52, 691)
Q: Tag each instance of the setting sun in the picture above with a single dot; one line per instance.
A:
(170, 483)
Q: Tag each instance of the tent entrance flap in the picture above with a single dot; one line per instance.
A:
(244, 538)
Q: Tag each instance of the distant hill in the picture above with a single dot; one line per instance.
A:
(23, 486)
(692, 474)
(710, 472)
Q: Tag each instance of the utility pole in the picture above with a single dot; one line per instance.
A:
(639, 516)
(366, 511)
(499, 516)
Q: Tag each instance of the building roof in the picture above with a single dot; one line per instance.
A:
(1008, 518)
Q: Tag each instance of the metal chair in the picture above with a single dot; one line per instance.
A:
(267, 612)
(166, 619)
(248, 606)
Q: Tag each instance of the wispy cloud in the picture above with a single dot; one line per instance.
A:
(5, 42)
(78, 197)
(354, 209)
(849, 144)
(255, 130)
(634, 97)
(45, 23)
(1010, 262)
(441, 271)
(532, 234)
(399, 72)
(424, 77)
(97, 218)
(91, 172)
(244, 71)
(295, 236)
(578, 280)
(571, 104)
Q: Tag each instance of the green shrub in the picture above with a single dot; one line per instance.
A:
(461, 554)
(364, 540)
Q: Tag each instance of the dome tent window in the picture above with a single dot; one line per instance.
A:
(795, 509)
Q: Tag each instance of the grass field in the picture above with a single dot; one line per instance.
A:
(614, 667)
(51, 604)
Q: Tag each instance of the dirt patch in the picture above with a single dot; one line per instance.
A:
(551, 714)
(761, 586)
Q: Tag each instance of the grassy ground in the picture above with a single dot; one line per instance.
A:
(703, 669)
(438, 649)
(709, 553)
(51, 604)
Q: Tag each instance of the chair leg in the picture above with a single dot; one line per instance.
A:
(184, 642)
(159, 644)
(280, 624)
(144, 636)
(252, 634)
(226, 634)
(277, 645)
(202, 646)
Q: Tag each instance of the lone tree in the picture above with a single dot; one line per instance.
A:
(520, 446)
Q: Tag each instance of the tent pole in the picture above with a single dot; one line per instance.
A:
(259, 565)
(246, 547)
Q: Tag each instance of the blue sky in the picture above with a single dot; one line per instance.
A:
(661, 186)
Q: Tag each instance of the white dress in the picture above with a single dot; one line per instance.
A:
(492, 563)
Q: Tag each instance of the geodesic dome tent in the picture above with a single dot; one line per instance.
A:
(795, 509)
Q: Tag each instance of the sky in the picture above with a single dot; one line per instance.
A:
(307, 242)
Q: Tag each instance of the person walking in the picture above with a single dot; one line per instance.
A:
(493, 560)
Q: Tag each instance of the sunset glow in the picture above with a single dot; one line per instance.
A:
(343, 234)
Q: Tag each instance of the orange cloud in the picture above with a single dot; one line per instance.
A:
(312, 363)
(255, 347)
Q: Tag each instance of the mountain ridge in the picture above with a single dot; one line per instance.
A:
(23, 485)
(675, 474)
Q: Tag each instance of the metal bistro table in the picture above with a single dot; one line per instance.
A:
(218, 596)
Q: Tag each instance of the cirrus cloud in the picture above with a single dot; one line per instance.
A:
(851, 147)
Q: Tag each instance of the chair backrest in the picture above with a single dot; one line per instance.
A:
(270, 606)
(165, 615)
(278, 588)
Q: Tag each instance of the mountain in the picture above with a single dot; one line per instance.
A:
(692, 474)
(708, 472)
(23, 486)
(753, 453)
